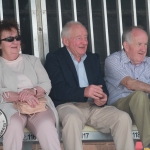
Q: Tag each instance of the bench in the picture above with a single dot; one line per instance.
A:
(88, 134)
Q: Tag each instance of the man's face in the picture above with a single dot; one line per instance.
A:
(77, 41)
(136, 49)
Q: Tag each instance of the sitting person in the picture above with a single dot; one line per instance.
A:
(23, 78)
(128, 80)
(79, 92)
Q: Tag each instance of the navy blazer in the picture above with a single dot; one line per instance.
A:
(64, 79)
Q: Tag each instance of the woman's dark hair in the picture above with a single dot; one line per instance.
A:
(7, 25)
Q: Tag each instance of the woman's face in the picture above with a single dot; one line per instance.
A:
(10, 50)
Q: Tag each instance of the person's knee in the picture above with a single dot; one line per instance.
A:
(45, 129)
(140, 98)
(124, 117)
(45, 124)
(140, 94)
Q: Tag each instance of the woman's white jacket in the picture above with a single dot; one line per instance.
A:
(35, 71)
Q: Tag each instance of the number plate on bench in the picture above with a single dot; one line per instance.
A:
(98, 136)
(29, 137)
(136, 135)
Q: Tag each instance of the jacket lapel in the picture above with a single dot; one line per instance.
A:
(70, 63)
(88, 69)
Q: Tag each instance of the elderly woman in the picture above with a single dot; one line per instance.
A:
(23, 78)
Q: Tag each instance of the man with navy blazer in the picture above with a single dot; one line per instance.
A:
(78, 91)
(65, 79)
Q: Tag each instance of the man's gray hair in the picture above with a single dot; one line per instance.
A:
(67, 27)
(126, 36)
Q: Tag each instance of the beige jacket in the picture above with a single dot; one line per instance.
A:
(35, 71)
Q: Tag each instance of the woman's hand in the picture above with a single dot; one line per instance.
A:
(26, 93)
(32, 100)
(11, 96)
(29, 96)
(40, 92)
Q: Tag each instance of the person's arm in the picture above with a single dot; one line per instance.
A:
(97, 92)
(62, 89)
(43, 85)
(117, 75)
(114, 71)
(135, 85)
(37, 91)
(10, 96)
(101, 101)
(14, 96)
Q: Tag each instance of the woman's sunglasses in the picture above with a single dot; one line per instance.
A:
(11, 38)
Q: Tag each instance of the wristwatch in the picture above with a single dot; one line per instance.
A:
(35, 90)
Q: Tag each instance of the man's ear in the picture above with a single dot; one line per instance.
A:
(65, 41)
(126, 45)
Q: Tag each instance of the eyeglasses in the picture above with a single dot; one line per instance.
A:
(11, 38)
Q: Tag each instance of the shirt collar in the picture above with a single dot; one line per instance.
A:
(82, 58)
(124, 57)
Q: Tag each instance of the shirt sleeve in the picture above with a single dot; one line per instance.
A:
(114, 71)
